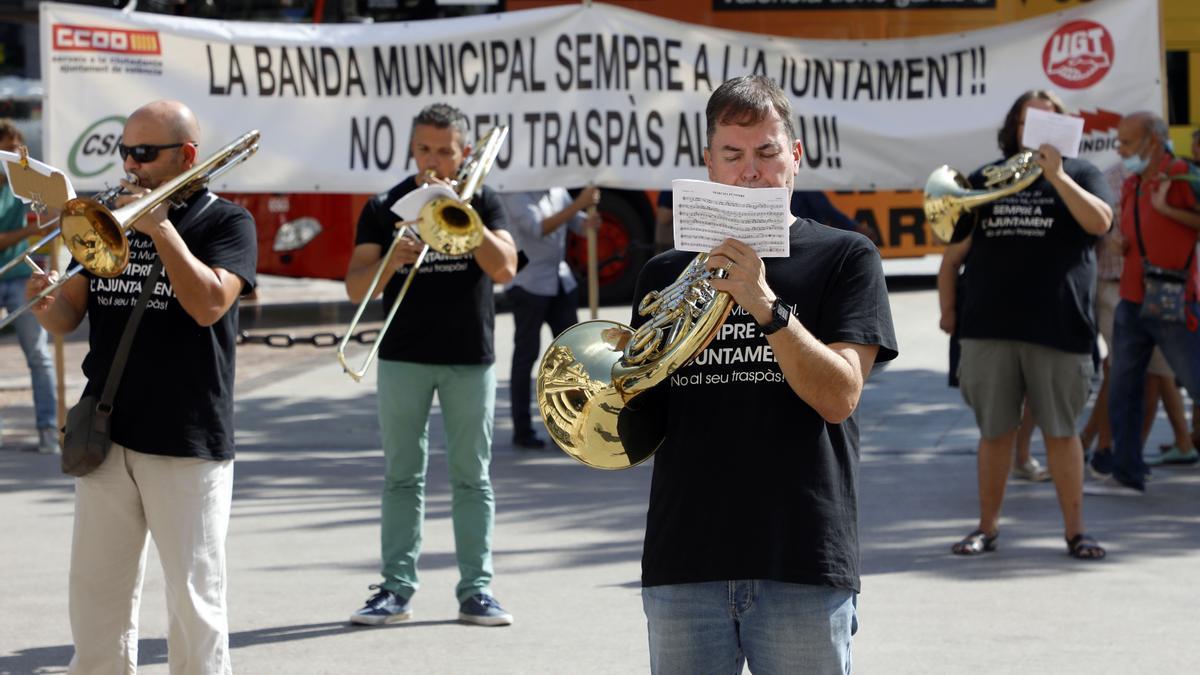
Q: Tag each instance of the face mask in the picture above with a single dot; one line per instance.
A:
(1135, 164)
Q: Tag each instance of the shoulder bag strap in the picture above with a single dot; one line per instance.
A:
(118, 363)
(1137, 220)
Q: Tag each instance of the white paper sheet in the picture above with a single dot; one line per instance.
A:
(706, 213)
(1062, 131)
(409, 206)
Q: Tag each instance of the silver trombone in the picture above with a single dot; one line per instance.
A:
(97, 237)
(448, 225)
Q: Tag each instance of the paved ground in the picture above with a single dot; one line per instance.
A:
(303, 541)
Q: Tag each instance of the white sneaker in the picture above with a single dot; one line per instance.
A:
(1031, 471)
(1112, 487)
(48, 442)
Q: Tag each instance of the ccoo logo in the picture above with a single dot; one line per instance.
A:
(96, 39)
(95, 151)
(1078, 55)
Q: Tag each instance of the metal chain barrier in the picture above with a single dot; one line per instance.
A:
(285, 340)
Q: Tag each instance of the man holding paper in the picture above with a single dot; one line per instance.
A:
(1027, 325)
(440, 341)
(751, 548)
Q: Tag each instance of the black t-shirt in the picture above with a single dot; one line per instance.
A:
(448, 315)
(1031, 271)
(750, 482)
(176, 392)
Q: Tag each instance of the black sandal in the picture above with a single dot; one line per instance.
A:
(1085, 547)
(975, 543)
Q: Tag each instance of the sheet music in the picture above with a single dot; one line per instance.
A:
(706, 213)
(40, 183)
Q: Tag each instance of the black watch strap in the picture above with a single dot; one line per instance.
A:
(779, 318)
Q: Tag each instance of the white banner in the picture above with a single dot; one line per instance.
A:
(591, 93)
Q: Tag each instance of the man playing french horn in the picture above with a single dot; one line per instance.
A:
(439, 341)
(1027, 328)
(751, 548)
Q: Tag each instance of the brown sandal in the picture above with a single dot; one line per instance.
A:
(975, 543)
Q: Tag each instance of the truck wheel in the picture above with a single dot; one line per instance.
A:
(624, 243)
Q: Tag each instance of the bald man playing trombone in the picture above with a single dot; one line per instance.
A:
(169, 469)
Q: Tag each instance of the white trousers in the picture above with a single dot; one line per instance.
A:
(184, 504)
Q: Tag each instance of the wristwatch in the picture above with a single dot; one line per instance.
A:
(779, 318)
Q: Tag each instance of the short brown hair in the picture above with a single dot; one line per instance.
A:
(1010, 144)
(746, 101)
(9, 129)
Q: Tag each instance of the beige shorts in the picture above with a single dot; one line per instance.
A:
(996, 376)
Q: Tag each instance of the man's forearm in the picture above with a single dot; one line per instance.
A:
(196, 285)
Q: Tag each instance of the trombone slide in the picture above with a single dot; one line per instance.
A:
(12, 316)
(360, 373)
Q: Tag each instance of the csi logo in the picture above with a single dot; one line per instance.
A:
(98, 39)
(1078, 55)
(95, 150)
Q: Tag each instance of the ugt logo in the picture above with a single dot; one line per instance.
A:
(1078, 54)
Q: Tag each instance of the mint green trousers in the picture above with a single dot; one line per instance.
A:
(467, 395)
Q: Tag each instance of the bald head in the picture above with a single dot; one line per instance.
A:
(170, 133)
(1142, 134)
(173, 118)
(1145, 124)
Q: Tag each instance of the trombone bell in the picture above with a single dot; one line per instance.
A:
(450, 226)
(94, 238)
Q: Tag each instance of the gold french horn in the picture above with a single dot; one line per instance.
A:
(948, 195)
(592, 372)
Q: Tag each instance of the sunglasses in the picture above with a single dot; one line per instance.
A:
(145, 152)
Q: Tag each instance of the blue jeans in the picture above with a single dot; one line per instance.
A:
(774, 627)
(33, 341)
(529, 313)
(468, 398)
(1134, 339)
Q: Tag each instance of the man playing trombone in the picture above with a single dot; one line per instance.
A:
(169, 469)
(440, 340)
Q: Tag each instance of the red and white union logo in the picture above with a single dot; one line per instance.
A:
(1078, 55)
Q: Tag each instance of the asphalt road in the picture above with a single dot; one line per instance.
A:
(303, 542)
